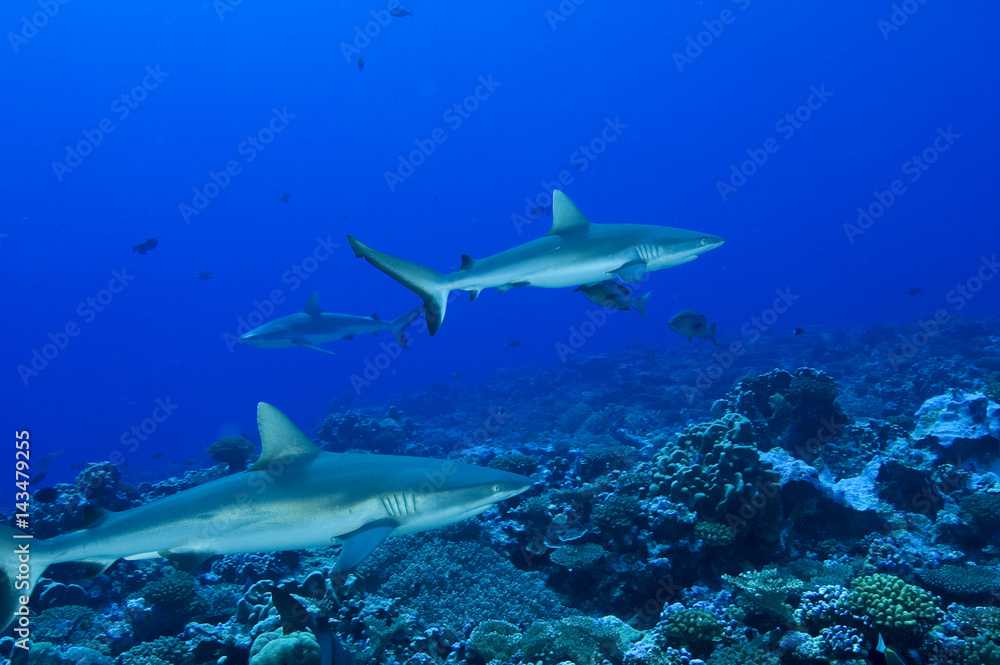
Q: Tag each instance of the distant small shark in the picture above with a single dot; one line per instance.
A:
(574, 252)
(294, 497)
(313, 326)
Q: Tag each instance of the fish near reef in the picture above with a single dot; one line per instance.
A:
(146, 245)
(693, 324)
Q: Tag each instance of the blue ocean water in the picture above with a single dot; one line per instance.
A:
(686, 113)
(847, 153)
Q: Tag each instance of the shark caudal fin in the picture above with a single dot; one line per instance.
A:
(401, 323)
(22, 561)
(427, 283)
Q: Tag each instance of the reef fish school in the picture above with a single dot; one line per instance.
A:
(122, 107)
(249, 148)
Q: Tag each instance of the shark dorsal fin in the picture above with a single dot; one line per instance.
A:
(280, 439)
(312, 305)
(566, 217)
(467, 262)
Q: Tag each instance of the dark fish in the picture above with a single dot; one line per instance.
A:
(693, 324)
(800, 331)
(295, 617)
(46, 495)
(204, 275)
(38, 477)
(886, 655)
(344, 217)
(579, 165)
(145, 245)
(156, 455)
(361, 64)
(914, 291)
(186, 462)
(514, 344)
(284, 197)
(400, 12)
(457, 376)
(613, 295)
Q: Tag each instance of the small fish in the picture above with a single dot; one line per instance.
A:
(284, 197)
(457, 376)
(914, 291)
(613, 295)
(514, 344)
(204, 275)
(46, 495)
(800, 331)
(361, 64)
(579, 166)
(156, 455)
(295, 617)
(38, 477)
(345, 218)
(886, 655)
(400, 12)
(693, 324)
(145, 245)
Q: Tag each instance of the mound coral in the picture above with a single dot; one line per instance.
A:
(232, 450)
(891, 604)
(962, 580)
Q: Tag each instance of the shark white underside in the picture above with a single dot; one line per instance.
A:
(573, 253)
(294, 497)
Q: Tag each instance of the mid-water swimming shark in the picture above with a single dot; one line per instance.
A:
(313, 326)
(294, 497)
(573, 253)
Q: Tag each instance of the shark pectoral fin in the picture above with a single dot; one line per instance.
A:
(312, 305)
(314, 348)
(359, 544)
(280, 440)
(186, 561)
(566, 217)
(631, 272)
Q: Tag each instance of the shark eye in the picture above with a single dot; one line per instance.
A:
(704, 241)
(495, 489)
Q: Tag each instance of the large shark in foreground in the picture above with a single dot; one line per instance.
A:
(574, 252)
(313, 326)
(294, 497)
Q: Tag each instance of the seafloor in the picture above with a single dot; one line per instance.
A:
(784, 506)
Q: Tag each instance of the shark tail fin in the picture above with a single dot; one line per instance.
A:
(14, 585)
(432, 286)
(401, 323)
(640, 303)
(711, 334)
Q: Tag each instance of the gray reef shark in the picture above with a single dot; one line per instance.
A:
(572, 253)
(294, 497)
(313, 326)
